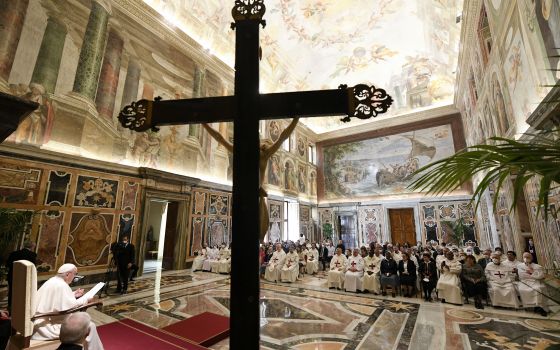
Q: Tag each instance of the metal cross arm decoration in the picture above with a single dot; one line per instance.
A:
(246, 108)
(361, 101)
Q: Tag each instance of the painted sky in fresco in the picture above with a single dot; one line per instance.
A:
(408, 47)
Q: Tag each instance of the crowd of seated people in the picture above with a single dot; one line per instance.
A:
(454, 274)
(214, 259)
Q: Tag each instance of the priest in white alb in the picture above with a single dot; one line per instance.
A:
(198, 262)
(56, 295)
(290, 270)
(224, 264)
(531, 287)
(372, 264)
(276, 262)
(212, 255)
(337, 269)
(449, 284)
(501, 288)
(354, 272)
(312, 259)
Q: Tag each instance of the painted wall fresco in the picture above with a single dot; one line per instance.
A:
(63, 231)
(380, 166)
(210, 219)
(436, 219)
(370, 224)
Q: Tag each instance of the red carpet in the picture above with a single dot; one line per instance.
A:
(205, 329)
(131, 335)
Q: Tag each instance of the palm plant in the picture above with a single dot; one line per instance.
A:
(535, 156)
(12, 227)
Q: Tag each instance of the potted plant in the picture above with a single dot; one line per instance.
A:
(12, 227)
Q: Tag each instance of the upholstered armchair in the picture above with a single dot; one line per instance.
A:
(24, 304)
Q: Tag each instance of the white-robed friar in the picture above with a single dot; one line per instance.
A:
(212, 255)
(337, 269)
(354, 272)
(215, 263)
(290, 270)
(372, 264)
(198, 262)
(312, 260)
(276, 262)
(501, 288)
(531, 287)
(56, 295)
(224, 264)
(449, 284)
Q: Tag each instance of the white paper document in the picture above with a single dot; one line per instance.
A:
(91, 293)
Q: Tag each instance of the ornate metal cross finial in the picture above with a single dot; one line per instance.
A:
(248, 9)
(137, 116)
(367, 101)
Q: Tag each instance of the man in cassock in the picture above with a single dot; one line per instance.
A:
(56, 295)
(337, 269)
(511, 261)
(531, 287)
(224, 264)
(354, 272)
(312, 259)
(372, 265)
(212, 256)
(198, 262)
(276, 263)
(290, 270)
(500, 283)
(449, 284)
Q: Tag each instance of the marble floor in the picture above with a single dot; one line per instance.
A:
(308, 316)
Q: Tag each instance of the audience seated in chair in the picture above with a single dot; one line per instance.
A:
(224, 264)
(74, 331)
(372, 266)
(407, 275)
(312, 265)
(354, 272)
(531, 287)
(449, 284)
(474, 281)
(389, 276)
(337, 270)
(428, 274)
(501, 288)
(198, 262)
(272, 272)
(290, 270)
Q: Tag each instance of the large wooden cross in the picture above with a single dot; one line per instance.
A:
(245, 109)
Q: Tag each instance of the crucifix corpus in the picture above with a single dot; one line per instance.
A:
(245, 108)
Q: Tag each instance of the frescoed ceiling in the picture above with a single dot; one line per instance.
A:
(408, 47)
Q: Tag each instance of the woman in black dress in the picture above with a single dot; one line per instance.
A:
(389, 269)
(407, 273)
(428, 275)
(474, 281)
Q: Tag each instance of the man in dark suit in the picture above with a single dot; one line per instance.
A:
(27, 253)
(124, 259)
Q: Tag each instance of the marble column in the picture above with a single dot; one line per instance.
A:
(198, 86)
(131, 82)
(50, 55)
(91, 53)
(12, 16)
(109, 78)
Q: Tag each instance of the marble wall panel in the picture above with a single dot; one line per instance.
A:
(48, 239)
(57, 188)
(370, 219)
(130, 194)
(89, 239)
(96, 192)
(19, 184)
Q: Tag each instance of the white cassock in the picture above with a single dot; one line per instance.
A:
(215, 262)
(199, 260)
(290, 270)
(312, 261)
(353, 279)
(371, 282)
(336, 272)
(56, 295)
(397, 256)
(531, 287)
(224, 264)
(211, 256)
(500, 285)
(303, 257)
(272, 272)
(449, 284)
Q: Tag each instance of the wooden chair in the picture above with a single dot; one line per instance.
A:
(24, 305)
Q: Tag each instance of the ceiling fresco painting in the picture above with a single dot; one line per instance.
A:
(407, 47)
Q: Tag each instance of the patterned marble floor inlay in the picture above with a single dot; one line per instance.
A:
(308, 316)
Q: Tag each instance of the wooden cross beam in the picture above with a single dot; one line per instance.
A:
(245, 109)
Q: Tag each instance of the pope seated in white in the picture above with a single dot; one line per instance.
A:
(198, 262)
(224, 264)
(312, 260)
(337, 269)
(531, 287)
(56, 295)
(290, 270)
(212, 255)
(371, 272)
(276, 262)
(449, 284)
(354, 272)
(500, 283)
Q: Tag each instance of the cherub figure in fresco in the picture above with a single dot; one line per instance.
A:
(267, 149)
(516, 65)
